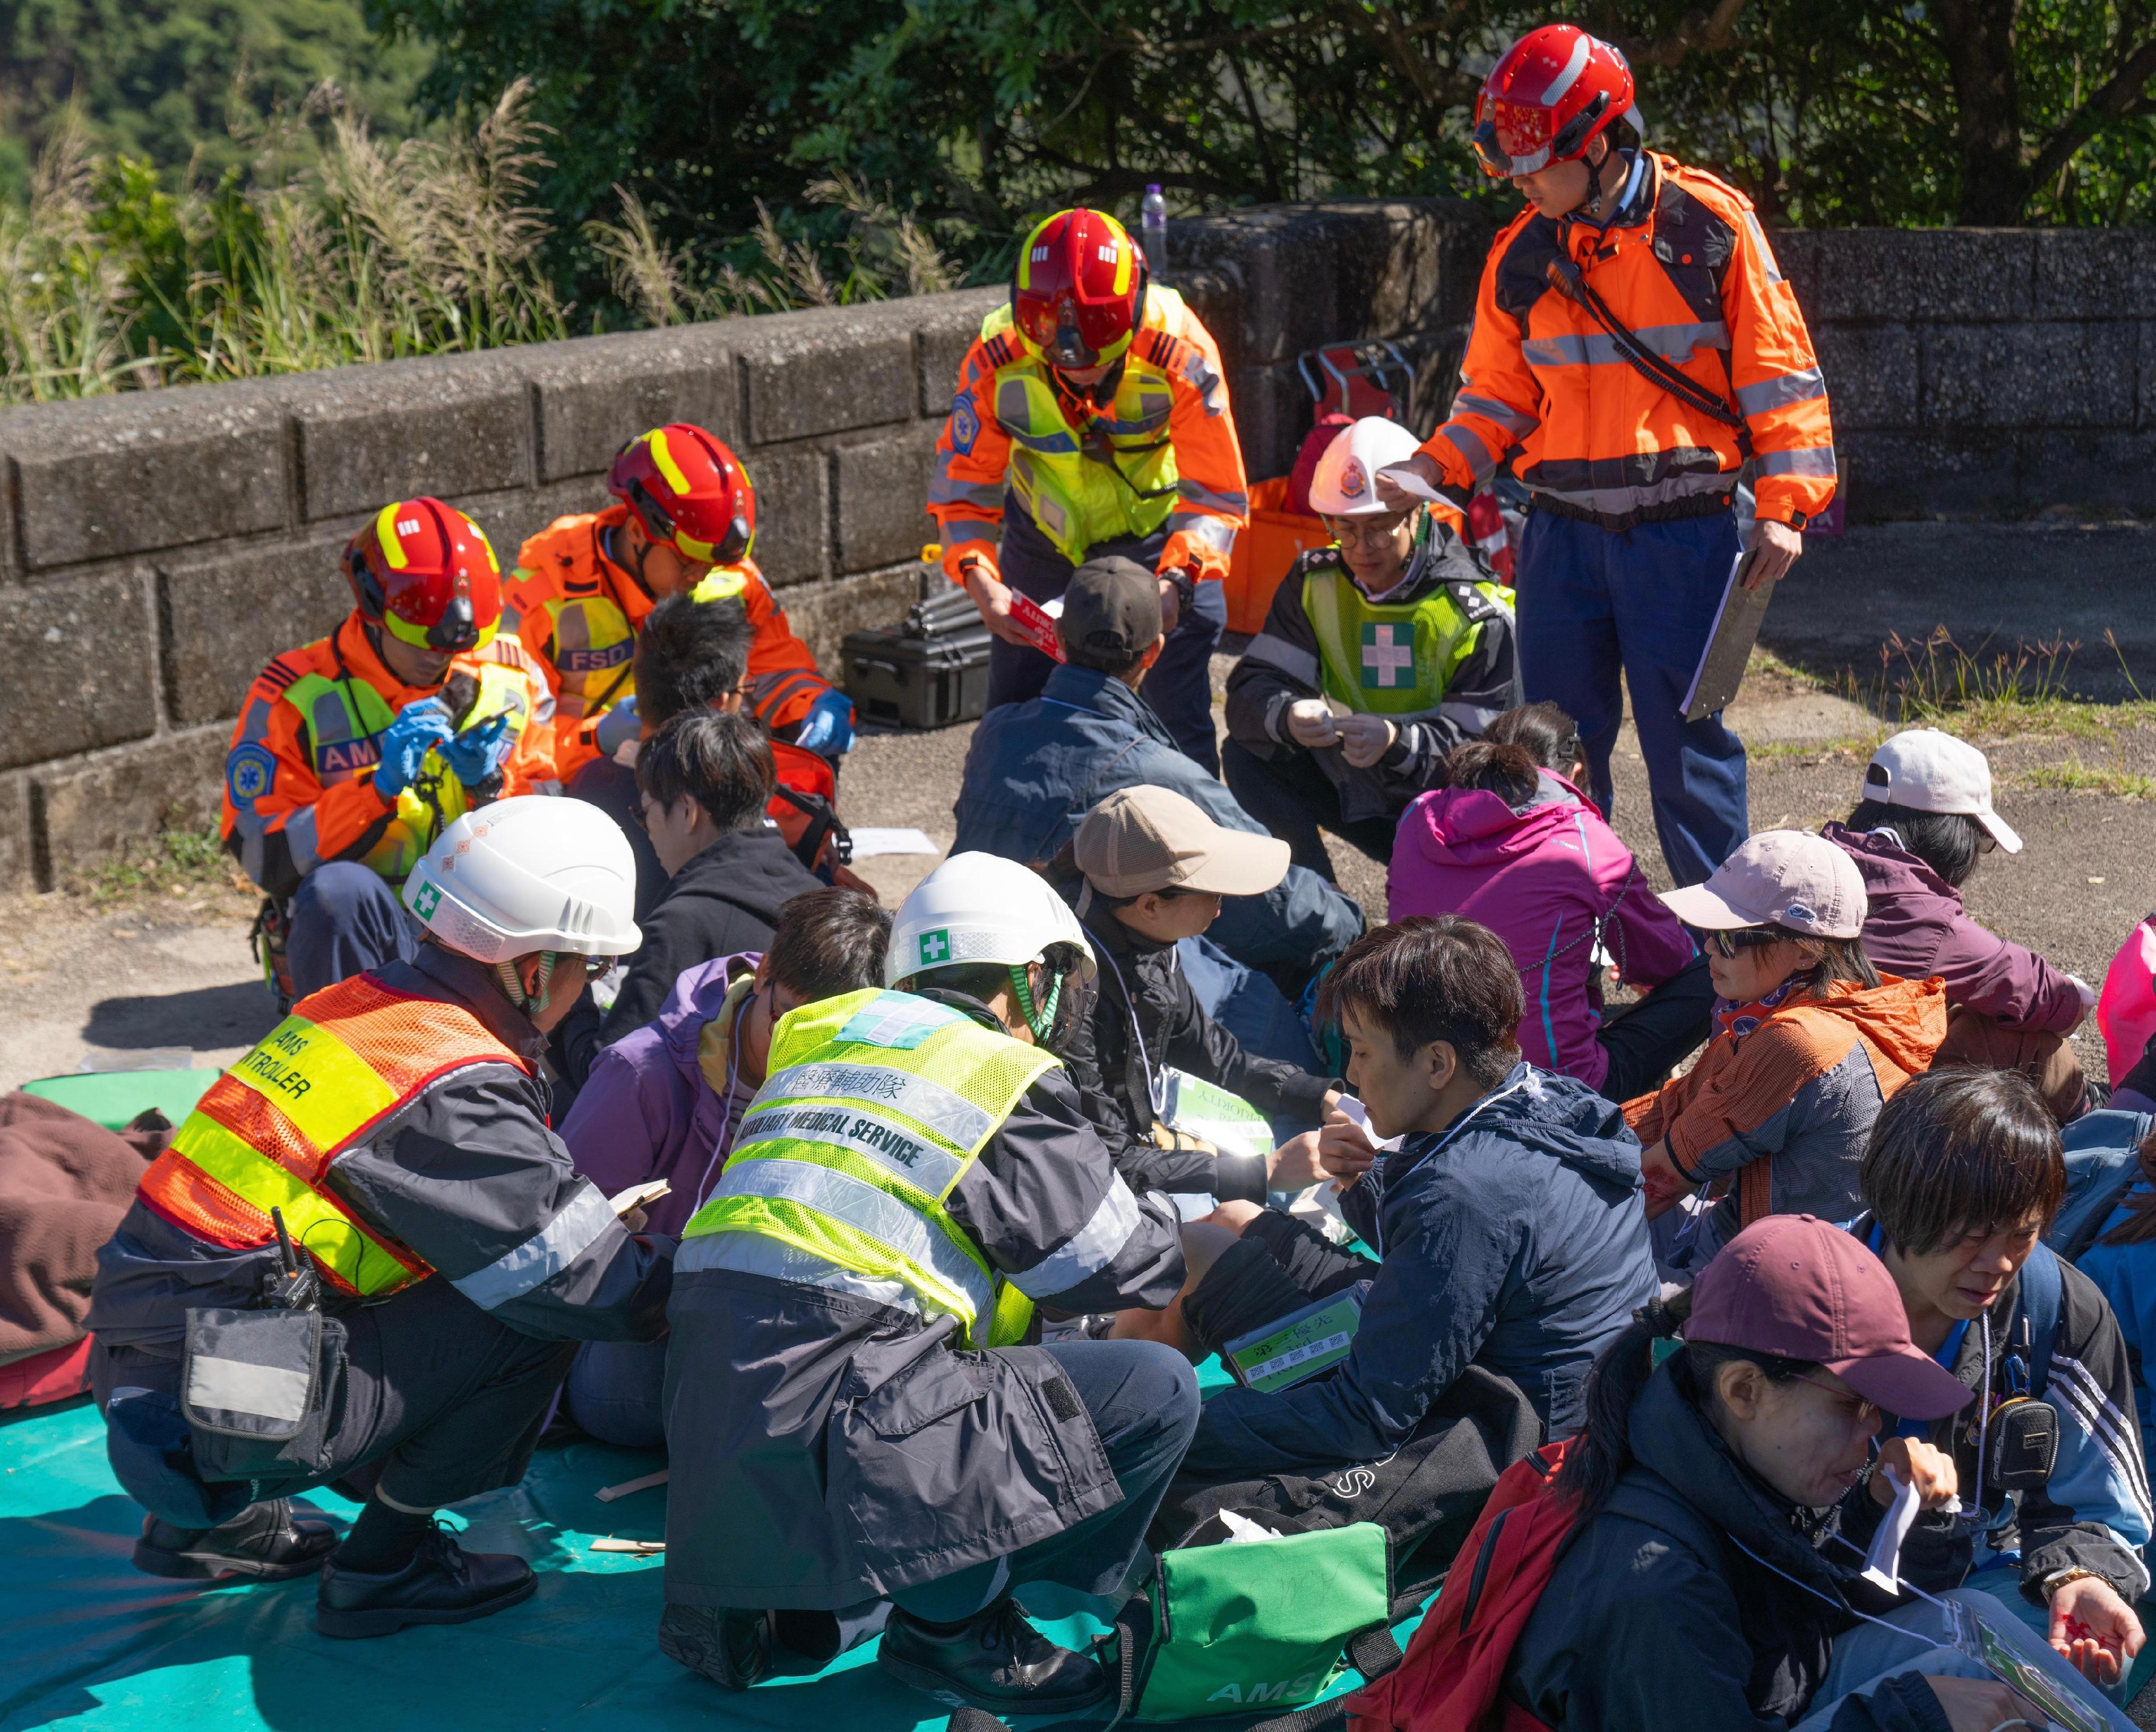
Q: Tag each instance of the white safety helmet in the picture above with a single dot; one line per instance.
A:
(982, 908)
(1345, 482)
(532, 873)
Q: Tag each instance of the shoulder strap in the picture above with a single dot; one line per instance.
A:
(2042, 1295)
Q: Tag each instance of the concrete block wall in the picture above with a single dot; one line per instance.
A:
(1986, 372)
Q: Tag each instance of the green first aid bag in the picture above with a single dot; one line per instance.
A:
(1255, 1627)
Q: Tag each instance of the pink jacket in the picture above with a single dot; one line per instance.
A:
(1540, 878)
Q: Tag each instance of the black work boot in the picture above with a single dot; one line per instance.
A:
(995, 1660)
(265, 1541)
(729, 1647)
(444, 1583)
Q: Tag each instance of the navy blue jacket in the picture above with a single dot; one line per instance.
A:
(1514, 1240)
(1035, 769)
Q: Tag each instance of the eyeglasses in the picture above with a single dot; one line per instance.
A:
(1861, 1411)
(1727, 945)
(595, 966)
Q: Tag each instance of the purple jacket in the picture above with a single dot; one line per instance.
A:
(1540, 878)
(1916, 927)
(646, 1111)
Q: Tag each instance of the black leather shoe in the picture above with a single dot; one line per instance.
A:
(265, 1541)
(443, 1584)
(728, 1647)
(995, 1660)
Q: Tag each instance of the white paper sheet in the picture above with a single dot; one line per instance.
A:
(869, 842)
(1882, 1564)
(1354, 1109)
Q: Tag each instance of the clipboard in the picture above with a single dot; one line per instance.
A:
(1737, 624)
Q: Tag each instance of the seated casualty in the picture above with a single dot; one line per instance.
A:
(1035, 769)
(351, 754)
(1701, 1587)
(1399, 625)
(1508, 1220)
(1962, 1178)
(2122, 1262)
(849, 1415)
(1151, 870)
(664, 1104)
(1924, 822)
(364, 1260)
(1809, 1041)
(1513, 844)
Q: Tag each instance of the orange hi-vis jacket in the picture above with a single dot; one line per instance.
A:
(578, 613)
(299, 777)
(268, 1132)
(1103, 465)
(1686, 267)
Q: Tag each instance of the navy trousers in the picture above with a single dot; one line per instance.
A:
(346, 919)
(1593, 605)
(1180, 687)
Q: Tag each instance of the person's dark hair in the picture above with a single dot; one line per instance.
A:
(2140, 1223)
(721, 760)
(1843, 959)
(1433, 977)
(1551, 736)
(690, 653)
(829, 942)
(1602, 1449)
(1509, 772)
(1960, 1151)
(1116, 664)
(1949, 843)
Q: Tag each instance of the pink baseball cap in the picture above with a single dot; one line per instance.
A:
(1801, 1288)
(1780, 877)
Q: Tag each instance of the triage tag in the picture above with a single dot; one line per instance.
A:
(1200, 1108)
(1299, 1346)
(1038, 624)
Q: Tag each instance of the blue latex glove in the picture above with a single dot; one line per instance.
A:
(405, 742)
(828, 726)
(478, 753)
(619, 725)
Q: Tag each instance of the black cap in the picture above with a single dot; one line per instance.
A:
(1112, 607)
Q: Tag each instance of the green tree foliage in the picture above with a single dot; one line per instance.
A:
(158, 79)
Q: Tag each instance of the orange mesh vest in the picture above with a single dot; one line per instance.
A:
(265, 1133)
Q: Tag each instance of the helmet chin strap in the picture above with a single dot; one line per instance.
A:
(1040, 1020)
(512, 984)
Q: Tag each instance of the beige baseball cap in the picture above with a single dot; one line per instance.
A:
(1929, 771)
(1142, 839)
(1780, 877)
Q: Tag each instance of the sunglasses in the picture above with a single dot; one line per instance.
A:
(1727, 945)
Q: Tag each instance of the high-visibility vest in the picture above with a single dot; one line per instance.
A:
(875, 1105)
(345, 720)
(265, 1133)
(1390, 658)
(1116, 477)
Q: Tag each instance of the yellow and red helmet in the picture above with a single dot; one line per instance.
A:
(426, 572)
(688, 491)
(1549, 93)
(1078, 295)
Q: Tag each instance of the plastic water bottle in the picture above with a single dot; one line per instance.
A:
(1152, 222)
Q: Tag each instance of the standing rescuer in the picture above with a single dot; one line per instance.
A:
(1634, 345)
(850, 1412)
(352, 752)
(1095, 400)
(395, 1123)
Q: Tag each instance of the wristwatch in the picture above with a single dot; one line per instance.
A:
(1186, 586)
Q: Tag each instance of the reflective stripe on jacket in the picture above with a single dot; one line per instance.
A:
(1162, 451)
(1686, 267)
(265, 1134)
(578, 613)
(299, 776)
(876, 1104)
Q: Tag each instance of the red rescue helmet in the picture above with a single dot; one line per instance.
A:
(1078, 293)
(1550, 92)
(688, 490)
(427, 572)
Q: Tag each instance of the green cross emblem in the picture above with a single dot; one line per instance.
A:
(1388, 657)
(429, 899)
(936, 947)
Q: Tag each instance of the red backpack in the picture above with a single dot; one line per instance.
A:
(1452, 1677)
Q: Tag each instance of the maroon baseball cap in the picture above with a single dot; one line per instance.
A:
(1801, 1288)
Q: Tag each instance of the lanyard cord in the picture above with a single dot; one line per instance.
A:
(1155, 1091)
(1443, 1141)
(1841, 1604)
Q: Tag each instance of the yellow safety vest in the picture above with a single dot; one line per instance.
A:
(1116, 477)
(876, 1104)
(345, 720)
(1390, 658)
